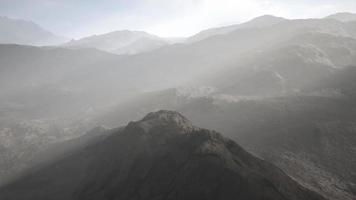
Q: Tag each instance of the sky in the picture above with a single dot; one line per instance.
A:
(166, 18)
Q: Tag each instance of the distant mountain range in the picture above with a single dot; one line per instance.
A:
(120, 42)
(259, 22)
(163, 156)
(14, 31)
(292, 55)
(289, 56)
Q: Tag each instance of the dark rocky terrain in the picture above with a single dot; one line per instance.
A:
(162, 156)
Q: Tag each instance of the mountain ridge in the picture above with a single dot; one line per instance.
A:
(120, 42)
(343, 16)
(258, 22)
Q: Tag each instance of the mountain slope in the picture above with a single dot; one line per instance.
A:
(312, 138)
(13, 31)
(299, 64)
(309, 134)
(162, 156)
(120, 42)
(258, 22)
(46, 79)
(344, 17)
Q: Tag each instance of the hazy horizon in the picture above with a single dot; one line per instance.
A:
(173, 18)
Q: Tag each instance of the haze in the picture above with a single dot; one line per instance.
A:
(177, 100)
(165, 18)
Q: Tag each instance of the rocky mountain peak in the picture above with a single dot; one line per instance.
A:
(163, 119)
(166, 115)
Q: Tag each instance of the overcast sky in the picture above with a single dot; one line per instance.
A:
(168, 18)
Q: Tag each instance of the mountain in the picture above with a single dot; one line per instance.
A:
(162, 156)
(14, 31)
(309, 134)
(288, 56)
(236, 49)
(344, 17)
(49, 78)
(41, 102)
(294, 66)
(120, 42)
(257, 66)
(229, 54)
(259, 22)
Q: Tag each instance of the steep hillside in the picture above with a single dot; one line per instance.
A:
(162, 156)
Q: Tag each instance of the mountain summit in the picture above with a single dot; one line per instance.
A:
(162, 119)
(163, 156)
